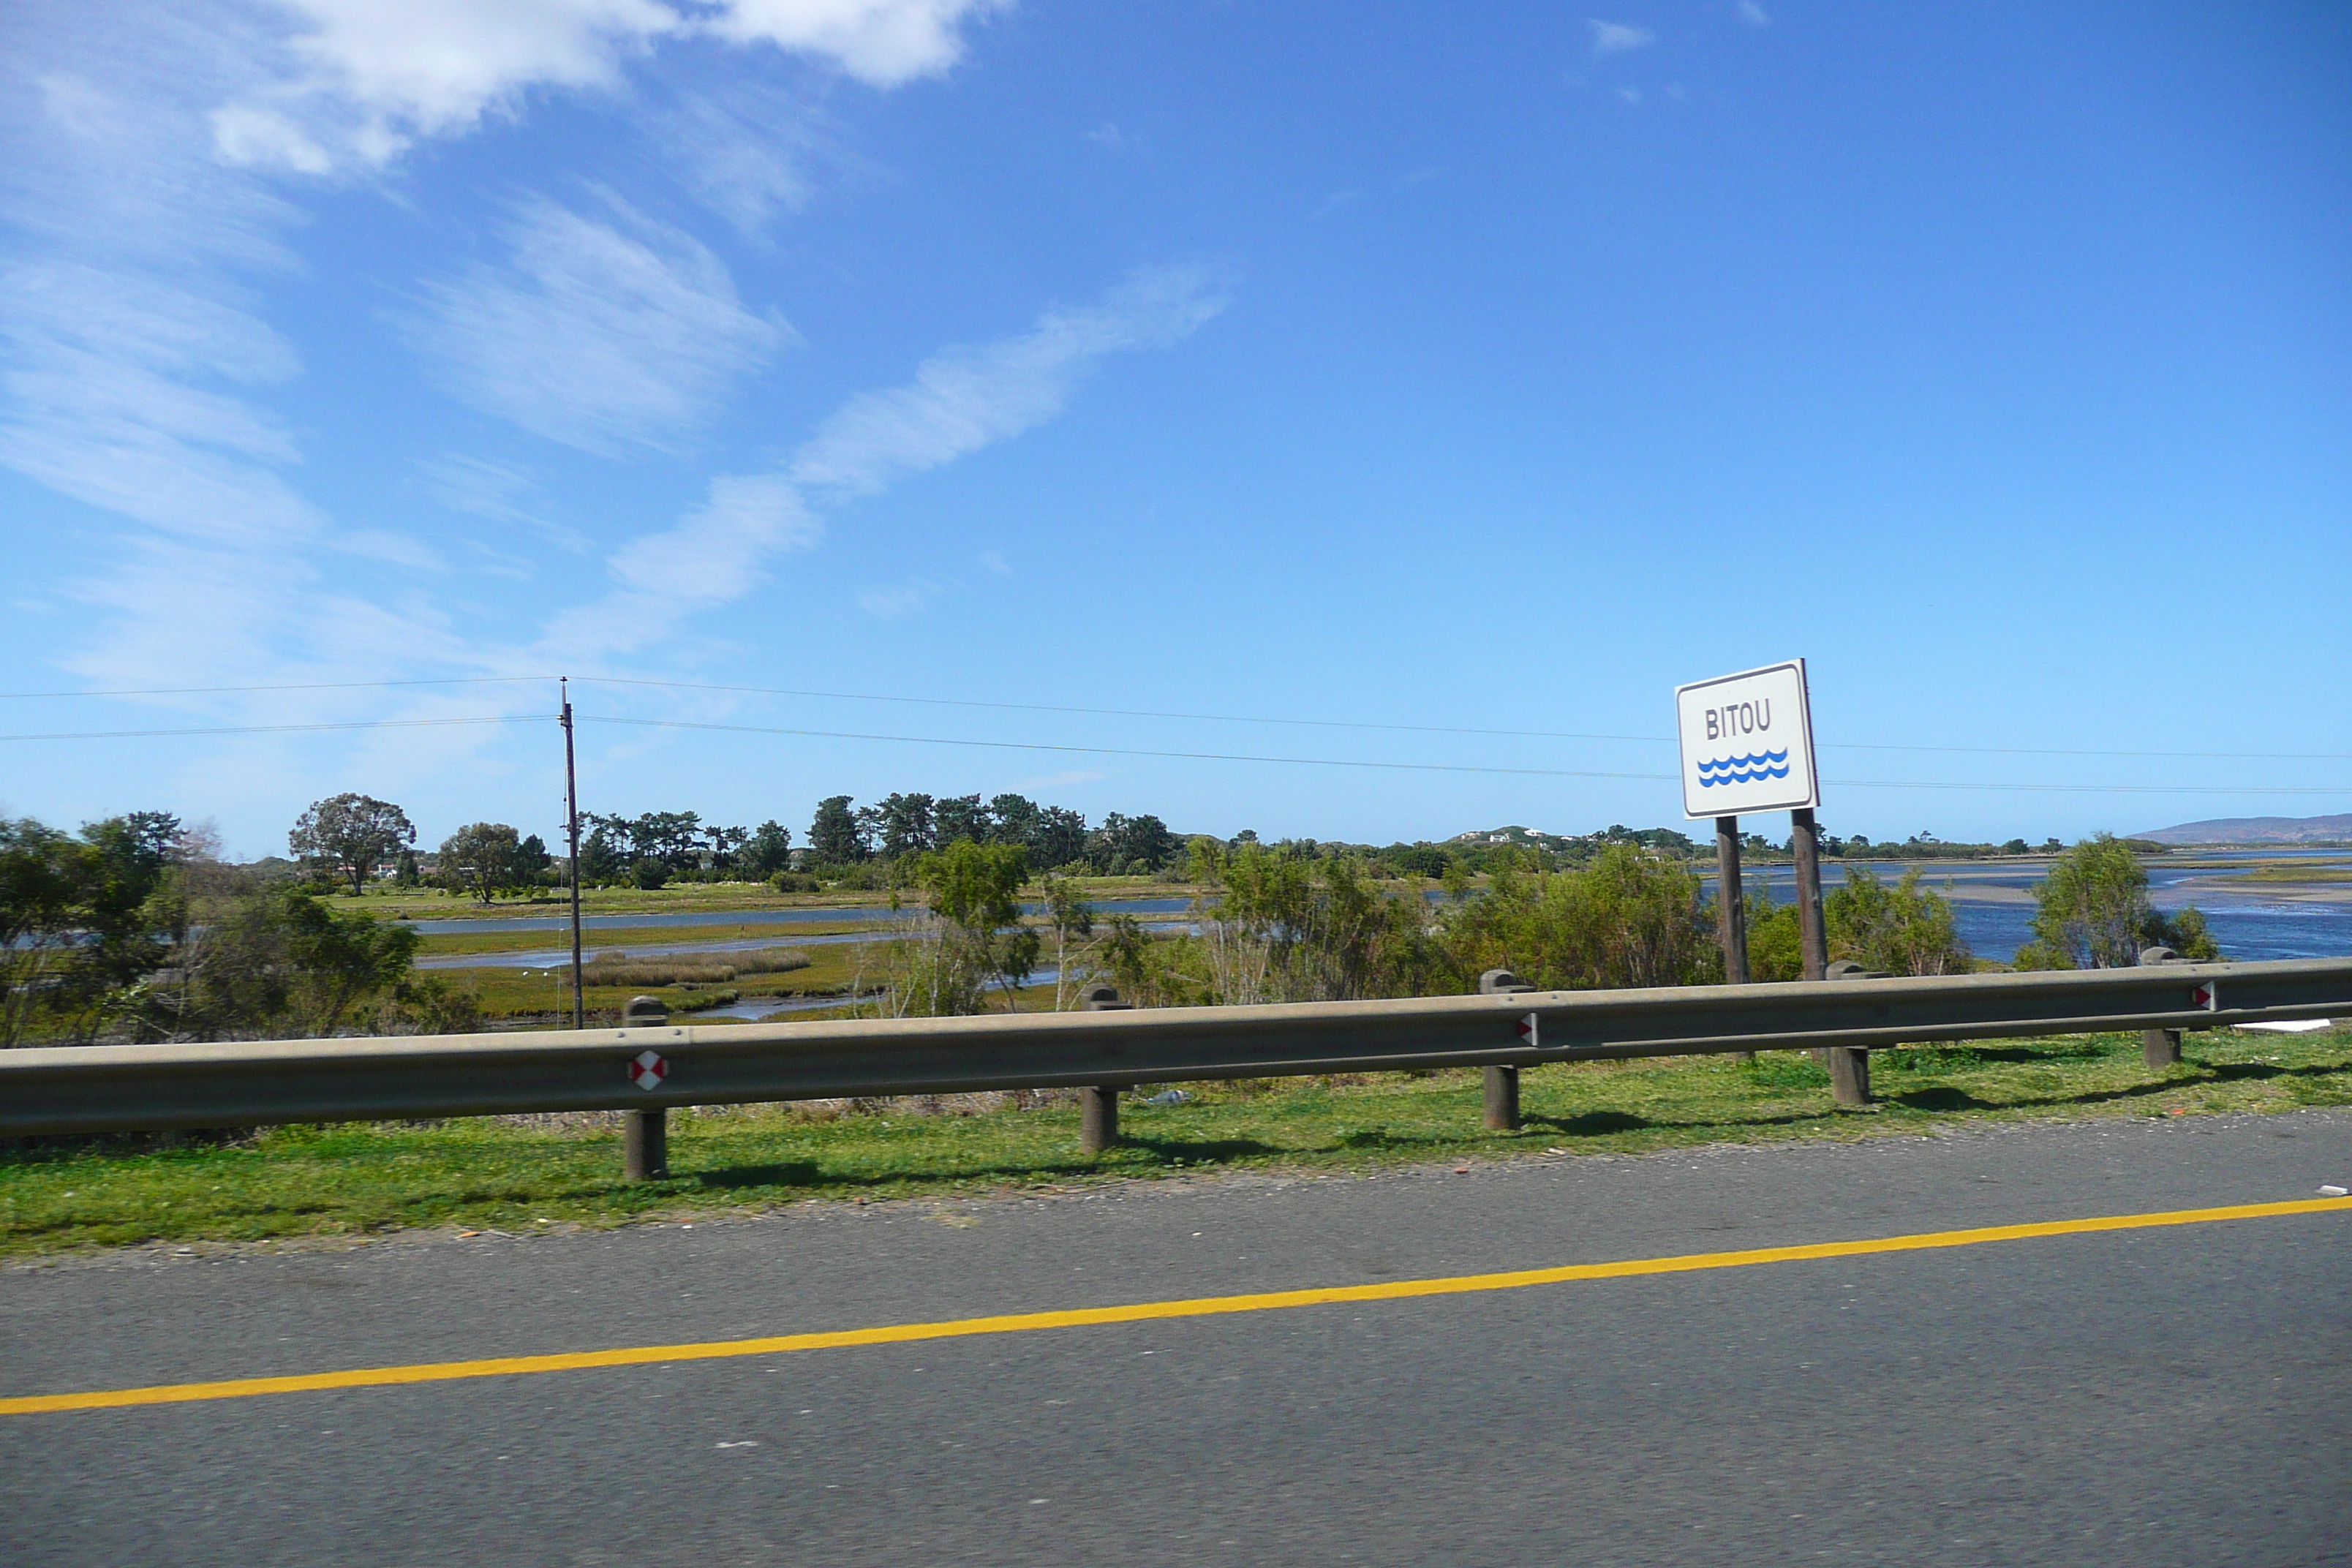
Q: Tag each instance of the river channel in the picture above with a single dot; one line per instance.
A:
(1992, 902)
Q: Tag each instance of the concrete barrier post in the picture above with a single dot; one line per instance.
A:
(645, 1135)
(1849, 1065)
(1502, 1082)
(2159, 1047)
(1099, 1106)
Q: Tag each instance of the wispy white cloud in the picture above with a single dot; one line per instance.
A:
(902, 601)
(882, 43)
(360, 80)
(498, 492)
(604, 333)
(1618, 37)
(959, 400)
(130, 352)
(1752, 13)
(748, 152)
(963, 399)
(143, 204)
(716, 553)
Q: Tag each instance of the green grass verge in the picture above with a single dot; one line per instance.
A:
(351, 1180)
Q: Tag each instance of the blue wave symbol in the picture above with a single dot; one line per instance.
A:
(1743, 769)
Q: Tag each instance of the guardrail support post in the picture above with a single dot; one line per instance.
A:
(2159, 1047)
(1099, 1106)
(1502, 1082)
(645, 1135)
(1849, 1065)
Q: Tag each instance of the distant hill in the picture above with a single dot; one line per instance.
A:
(2256, 830)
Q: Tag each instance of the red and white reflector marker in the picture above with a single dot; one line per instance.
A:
(648, 1069)
(1528, 1031)
(2208, 996)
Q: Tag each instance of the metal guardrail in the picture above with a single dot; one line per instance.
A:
(100, 1089)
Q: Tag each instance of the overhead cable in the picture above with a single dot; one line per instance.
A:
(284, 728)
(290, 686)
(1409, 767)
(1422, 729)
(1166, 714)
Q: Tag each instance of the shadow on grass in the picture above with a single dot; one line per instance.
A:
(1941, 1098)
(1961, 1058)
(1195, 1151)
(790, 1173)
(1594, 1123)
(1139, 1152)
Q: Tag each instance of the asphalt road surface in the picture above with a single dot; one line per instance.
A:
(2179, 1394)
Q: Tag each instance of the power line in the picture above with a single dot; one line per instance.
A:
(1109, 751)
(1121, 712)
(1428, 729)
(1129, 751)
(1166, 714)
(1412, 767)
(290, 686)
(281, 728)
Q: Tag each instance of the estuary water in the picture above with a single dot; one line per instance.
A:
(1992, 901)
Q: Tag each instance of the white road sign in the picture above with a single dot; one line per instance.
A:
(1747, 742)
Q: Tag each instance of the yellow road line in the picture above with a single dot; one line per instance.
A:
(1136, 1313)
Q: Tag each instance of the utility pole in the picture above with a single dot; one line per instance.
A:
(571, 829)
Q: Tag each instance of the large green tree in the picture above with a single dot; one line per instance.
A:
(483, 857)
(975, 889)
(1903, 928)
(835, 838)
(2092, 912)
(767, 849)
(344, 835)
(271, 962)
(1630, 919)
(80, 920)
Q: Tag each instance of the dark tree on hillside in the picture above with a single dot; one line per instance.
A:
(345, 834)
(833, 837)
(673, 838)
(1130, 843)
(1056, 837)
(1421, 861)
(602, 857)
(1011, 819)
(961, 817)
(767, 851)
(723, 844)
(908, 825)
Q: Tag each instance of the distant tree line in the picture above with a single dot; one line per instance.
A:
(1051, 837)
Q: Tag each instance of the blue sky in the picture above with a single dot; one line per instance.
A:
(1474, 367)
